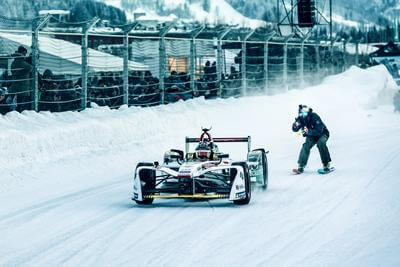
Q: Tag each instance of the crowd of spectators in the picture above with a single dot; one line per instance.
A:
(16, 90)
(106, 89)
(59, 92)
(62, 92)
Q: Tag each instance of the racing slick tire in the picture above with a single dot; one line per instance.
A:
(149, 177)
(247, 184)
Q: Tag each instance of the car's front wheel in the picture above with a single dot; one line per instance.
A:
(247, 184)
(149, 178)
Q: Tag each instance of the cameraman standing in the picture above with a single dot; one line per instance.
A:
(316, 133)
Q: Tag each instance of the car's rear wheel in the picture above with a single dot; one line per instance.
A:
(247, 184)
(264, 163)
(149, 178)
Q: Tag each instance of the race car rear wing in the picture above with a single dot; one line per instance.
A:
(247, 140)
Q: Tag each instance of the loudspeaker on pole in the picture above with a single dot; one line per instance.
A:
(306, 12)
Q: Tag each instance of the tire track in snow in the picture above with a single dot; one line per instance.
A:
(27, 214)
(387, 164)
(292, 241)
(59, 239)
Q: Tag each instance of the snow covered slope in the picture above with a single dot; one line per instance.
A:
(218, 11)
(66, 180)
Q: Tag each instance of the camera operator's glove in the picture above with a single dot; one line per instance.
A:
(304, 131)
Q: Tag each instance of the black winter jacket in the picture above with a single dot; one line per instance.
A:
(314, 124)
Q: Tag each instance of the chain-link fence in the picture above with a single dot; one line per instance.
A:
(48, 65)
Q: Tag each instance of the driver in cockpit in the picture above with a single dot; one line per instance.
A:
(206, 150)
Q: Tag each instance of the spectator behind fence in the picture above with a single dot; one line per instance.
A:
(48, 92)
(4, 108)
(207, 70)
(21, 79)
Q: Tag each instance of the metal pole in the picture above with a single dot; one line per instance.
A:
(192, 70)
(244, 71)
(219, 59)
(277, 12)
(84, 47)
(318, 59)
(192, 66)
(346, 62)
(244, 62)
(344, 55)
(266, 81)
(37, 24)
(333, 70)
(35, 59)
(285, 63)
(330, 20)
(302, 61)
(357, 53)
(284, 74)
(126, 69)
(331, 57)
(163, 59)
(291, 15)
(162, 69)
(125, 75)
(219, 67)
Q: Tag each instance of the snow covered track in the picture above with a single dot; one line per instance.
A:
(66, 179)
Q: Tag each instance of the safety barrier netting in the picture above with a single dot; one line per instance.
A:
(52, 65)
(177, 78)
(60, 68)
(144, 86)
(206, 77)
(105, 70)
(293, 66)
(276, 67)
(311, 67)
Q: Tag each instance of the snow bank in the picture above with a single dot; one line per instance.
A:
(30, 137)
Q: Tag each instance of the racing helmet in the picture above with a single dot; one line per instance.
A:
(203, 149)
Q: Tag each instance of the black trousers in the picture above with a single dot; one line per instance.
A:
(322, 148)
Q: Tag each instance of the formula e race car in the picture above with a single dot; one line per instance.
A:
(203, 174)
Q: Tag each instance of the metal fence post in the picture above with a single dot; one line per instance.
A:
(84, 46)
(285, 61)
(244, 62)
(37, 24)
(266, 81)
(317, 58)
(192, 63)
(357, 53)
(345, 55)
(332, 54)
(302, 60)
(125, 75)
(162, 69)
(219, 59)
(163, 59)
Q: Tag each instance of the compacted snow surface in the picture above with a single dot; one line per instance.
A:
(66, 180)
